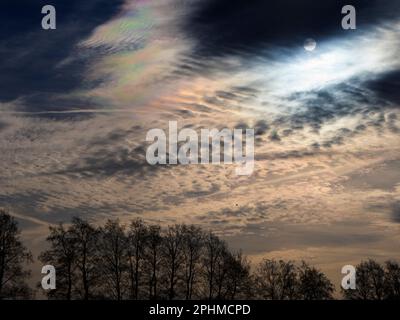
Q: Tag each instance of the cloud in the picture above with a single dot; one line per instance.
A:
(73, 125)
(37, 63)
(107, 163)
(387, 87)
(229, 27)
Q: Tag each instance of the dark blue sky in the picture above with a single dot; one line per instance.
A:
(30, 57)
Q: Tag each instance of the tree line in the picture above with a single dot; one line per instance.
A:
(144, 261)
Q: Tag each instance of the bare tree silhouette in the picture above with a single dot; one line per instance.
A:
(283, 280)
(85, 238)
(13, 256)
(137, 242)
(193, 239)
(392, 280)
(113, 259)
(239, 280)
(277, 280)
(214, 250)
(73, 252)
(62, 256)
(144, 261)
(173, 256)
(153, 257)
(375, 281)
(314, 285)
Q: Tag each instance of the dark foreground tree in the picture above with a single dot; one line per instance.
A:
(277, 280)
(136, 243)
(375, 281)
(13, 257)
(192, 249)
(153, 261)
(392, 280)
(239, 282)
(74, 254)
(213, 256)
(281, 280)
(313, 284)
(62, 256)
(173, 259)
(85, 239)
(113, 261)
(183, 262)
(179, 262)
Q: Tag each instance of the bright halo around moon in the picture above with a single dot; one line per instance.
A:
(310, 44)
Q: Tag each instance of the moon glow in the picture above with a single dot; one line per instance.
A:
(310, 44)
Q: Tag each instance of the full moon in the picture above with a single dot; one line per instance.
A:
(310, 44)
